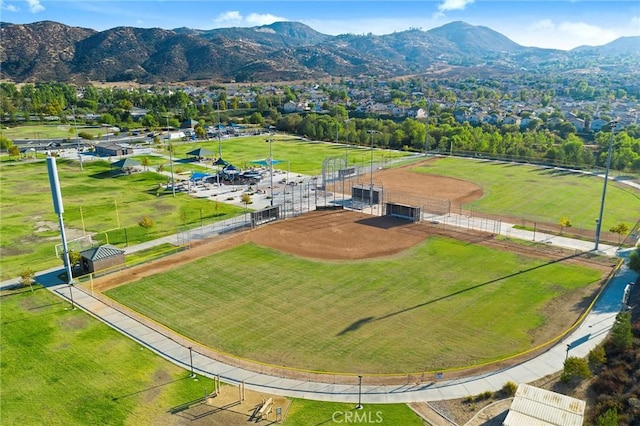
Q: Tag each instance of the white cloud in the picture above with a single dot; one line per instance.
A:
(234, 18)
(543, 25)
(589, 34)
(263, 19)
(8, 7)
(228, 19)
(453, 5)
(35, 6)
(563, 35)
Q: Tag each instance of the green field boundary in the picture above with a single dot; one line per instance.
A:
(331, 376)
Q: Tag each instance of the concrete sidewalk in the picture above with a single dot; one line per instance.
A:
(589, 334)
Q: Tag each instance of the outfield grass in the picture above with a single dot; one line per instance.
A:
(95, 201)
(48, 131)
(542, 194)
(303, 412)
(301, 156)
(62, 367)
(438, 305)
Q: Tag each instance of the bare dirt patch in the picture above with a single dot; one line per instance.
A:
(227, 408)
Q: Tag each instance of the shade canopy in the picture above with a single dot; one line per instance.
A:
(220, 162)
(125, 163)
(266, 162)
(200, 152)
(198, 176)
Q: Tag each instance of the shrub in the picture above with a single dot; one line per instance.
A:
(597, 357)
(509, 388)
(621, 334)
(609, 418)
(575, 368)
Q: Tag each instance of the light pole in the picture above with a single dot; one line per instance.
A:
(371, 132)
(173, 182)
(191, 362)
(359, 406)
(426, 133)
(219, 142)
(604, 187)
(75, 127)
(271, 170)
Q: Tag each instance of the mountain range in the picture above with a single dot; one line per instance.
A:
(282, 51)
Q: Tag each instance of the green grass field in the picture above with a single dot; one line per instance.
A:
(541, 194)
(48, 131)
(297, 155)
(438, 305)
(96, 201)
(303, 412)
(62, 367)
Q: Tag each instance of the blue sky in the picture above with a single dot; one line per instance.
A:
(559, 24)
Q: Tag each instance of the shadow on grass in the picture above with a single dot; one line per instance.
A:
(116, 398)
(106, 174)
(363, 321)
(18, 289)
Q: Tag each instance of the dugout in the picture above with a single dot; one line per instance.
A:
(263, 216)
(403, 211)
(364, 193)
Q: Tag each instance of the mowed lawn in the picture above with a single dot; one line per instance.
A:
(439, 305)
(542, 194)
(95, 201)
(63, 367)
(299, 156)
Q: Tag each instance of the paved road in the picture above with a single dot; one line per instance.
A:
(589, 334)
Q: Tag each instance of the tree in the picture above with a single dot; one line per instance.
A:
(256, 118)
(27, 277)
(597, 357)
(5, 143)
(147, 223)
(564, 223)
(14, 151)
(620, 229)
(609, 418)
(575, 367)
(246, 199)
(74, 257)
(621, 332)
(145, 163)
(634, 260)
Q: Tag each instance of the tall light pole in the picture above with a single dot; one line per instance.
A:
(359, 406)
(612, 124)
(271, 170)
(371, 132)
(426, 133)
(173, 182)
(219, 142)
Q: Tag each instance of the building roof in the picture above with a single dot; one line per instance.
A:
(101, 252)
(539, 407)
